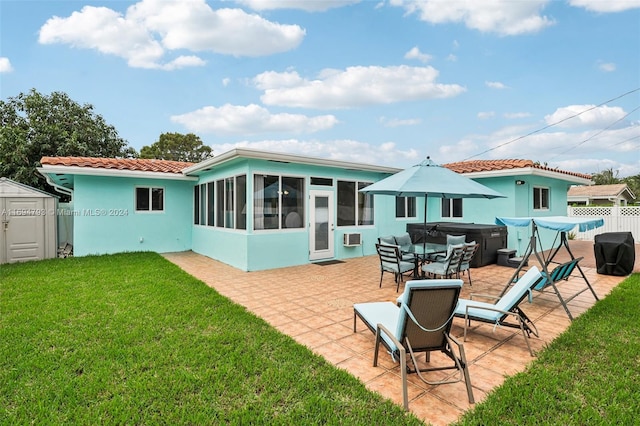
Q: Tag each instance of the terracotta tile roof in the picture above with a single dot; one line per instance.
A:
(597, 190)
(497, 165)
(135, 164)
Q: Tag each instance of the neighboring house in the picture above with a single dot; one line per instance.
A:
(259, 210)
(600, 195)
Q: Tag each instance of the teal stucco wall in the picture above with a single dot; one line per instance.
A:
(105, 220)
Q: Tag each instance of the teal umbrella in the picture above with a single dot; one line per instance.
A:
(428, 179)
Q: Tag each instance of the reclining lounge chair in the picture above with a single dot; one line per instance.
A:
(420, 323)
(504, 309)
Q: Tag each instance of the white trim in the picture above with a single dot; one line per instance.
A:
(285, 158)
(533, 171)
(92, 171)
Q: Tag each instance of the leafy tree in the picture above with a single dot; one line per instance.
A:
(634, 185)
(177, 147)
(606, 177)
(34, 125)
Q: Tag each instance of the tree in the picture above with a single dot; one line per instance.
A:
(634, 185)
(177, 147)
(606, 177)
(34, 125)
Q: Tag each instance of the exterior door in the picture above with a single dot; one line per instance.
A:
(322, 224)
(22, 234)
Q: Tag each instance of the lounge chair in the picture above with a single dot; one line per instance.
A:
(420, 322)
(504, 309)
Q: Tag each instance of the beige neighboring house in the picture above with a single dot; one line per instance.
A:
(617, 194)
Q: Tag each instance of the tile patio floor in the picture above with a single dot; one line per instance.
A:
(314, 305)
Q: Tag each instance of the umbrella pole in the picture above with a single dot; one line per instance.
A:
(424, 228)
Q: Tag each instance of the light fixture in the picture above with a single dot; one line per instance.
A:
(520, 182)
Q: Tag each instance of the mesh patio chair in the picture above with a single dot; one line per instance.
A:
(447, 267)
(470, 250)
(420, 322)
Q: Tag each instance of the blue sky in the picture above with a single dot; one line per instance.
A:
(379, 82)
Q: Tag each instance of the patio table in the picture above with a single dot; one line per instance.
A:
(422, 251)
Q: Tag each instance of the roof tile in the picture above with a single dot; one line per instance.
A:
(497, 165)
(135, 164)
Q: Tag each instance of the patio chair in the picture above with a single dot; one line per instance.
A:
(470, 250)
(419, 323)
(391, 261)
(447, 267)
(406, 246)
(506, 307)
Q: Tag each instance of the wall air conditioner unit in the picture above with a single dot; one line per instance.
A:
(351, 240)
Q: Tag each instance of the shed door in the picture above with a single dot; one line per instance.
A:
(23, 225)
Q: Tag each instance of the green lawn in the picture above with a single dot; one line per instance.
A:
(589, 375)
(132, 339)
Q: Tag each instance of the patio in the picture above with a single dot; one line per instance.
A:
(313, 305)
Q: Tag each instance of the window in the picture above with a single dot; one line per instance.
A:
(451, 207)
(203, 204)
(405, 207)
(278, 202)
(231, 198)
(149, 199)
(354, 207)
(540, 198)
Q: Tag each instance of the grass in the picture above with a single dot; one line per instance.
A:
(589, 375)
(132, 339)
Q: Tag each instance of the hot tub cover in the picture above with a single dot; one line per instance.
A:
(557, 223)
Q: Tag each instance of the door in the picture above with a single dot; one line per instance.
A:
(321, 225)
(22, 235)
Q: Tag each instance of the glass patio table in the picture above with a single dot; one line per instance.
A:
(422, 251)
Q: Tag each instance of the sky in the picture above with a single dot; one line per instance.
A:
(377, 82)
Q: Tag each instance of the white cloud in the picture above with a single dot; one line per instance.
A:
(5, 65)
(387, 154)
(354, 86)
(250, 119)
(484, 115)
(515, 115)
(151, 29)
(415, 53)
(605, 6)
(397, 122)
(590, 116)
(495, 85)
(607, 66)
(504, 17)
(309, 6)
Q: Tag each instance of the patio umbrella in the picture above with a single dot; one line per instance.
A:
(428, 179)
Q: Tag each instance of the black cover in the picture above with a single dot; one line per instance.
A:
(615, 253)
(490, 238)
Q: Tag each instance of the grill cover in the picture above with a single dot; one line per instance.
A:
(615, 253)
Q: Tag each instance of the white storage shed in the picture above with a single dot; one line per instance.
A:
(28, 223)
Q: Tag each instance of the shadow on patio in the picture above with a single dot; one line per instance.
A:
(314, 305)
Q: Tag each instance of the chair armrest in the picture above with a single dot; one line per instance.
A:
(466, 314)
(385, 330)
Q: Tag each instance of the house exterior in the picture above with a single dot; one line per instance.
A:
(259, 210)
(600, 195)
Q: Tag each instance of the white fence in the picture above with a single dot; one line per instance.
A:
(616, 219)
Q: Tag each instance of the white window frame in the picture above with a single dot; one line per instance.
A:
(451, 202)
(540, 198)
(150, 199)
(406, 208)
